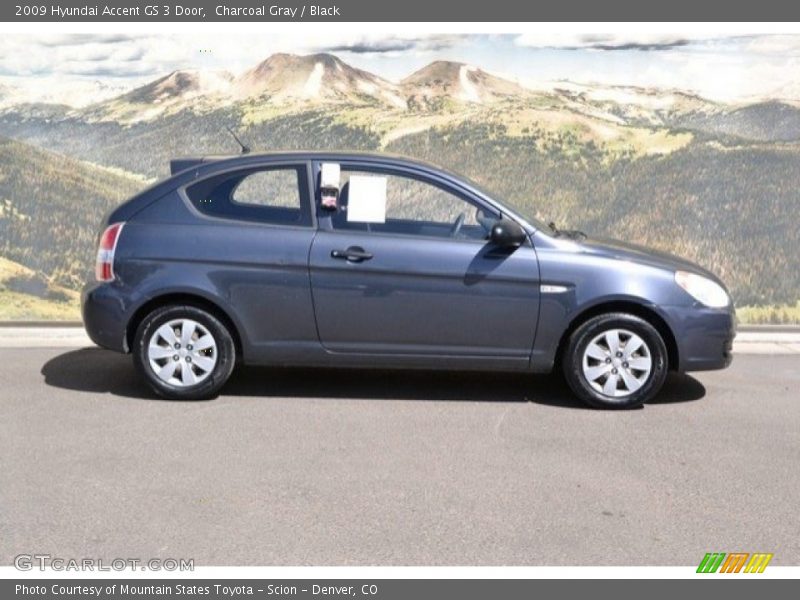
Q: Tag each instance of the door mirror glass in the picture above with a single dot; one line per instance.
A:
(506, 234)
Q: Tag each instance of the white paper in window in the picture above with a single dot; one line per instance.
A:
(366, 199)
(329, 177)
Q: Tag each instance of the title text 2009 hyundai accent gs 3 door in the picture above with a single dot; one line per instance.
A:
(351, 260)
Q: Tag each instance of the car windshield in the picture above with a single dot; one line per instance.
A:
(526, 212)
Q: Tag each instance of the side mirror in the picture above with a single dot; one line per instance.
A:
(506, 234)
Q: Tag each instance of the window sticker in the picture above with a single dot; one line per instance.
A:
(330, 175)
(366, 199)
(329, 185)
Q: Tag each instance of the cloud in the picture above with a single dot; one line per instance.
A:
(68, 90)
(133, 55)
(82, 55)
(392, 45)
(779, 44)
(607, 41)
(641, 46)
(114, 71)
(371, 47)
(79, 39)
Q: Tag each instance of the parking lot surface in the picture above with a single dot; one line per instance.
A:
(302, 467)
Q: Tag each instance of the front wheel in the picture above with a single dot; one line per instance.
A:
(615, 360)
(184, 352)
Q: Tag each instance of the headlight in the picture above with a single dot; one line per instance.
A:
(702, 289)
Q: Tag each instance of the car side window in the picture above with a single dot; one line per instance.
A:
(274, 187)
(409, 206)
(276, 195)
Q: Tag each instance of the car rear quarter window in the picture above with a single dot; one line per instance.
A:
(272, 195)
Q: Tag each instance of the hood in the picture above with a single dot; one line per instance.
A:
(640, 254)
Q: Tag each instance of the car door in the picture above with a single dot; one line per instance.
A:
(252, 234)
(421, 279)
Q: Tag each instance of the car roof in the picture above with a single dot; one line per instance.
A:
(350, 155)
(178, 165)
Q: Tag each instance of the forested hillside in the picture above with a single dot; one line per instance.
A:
(51, 207)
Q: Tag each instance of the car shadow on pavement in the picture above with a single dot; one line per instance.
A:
(94, 370)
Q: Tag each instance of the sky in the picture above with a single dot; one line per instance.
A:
(725, 68)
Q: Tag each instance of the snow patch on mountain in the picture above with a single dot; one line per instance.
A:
(314, 82)
(469, 93)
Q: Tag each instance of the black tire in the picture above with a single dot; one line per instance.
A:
(572, 361)
(224, 353)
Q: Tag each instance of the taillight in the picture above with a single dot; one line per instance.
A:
(104, 266)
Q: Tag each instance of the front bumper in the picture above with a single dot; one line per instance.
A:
(105, 315)
(704, 336)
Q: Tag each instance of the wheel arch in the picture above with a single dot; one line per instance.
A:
(183, 299)
(626, 306)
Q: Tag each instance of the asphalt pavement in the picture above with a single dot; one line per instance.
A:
(323, 467)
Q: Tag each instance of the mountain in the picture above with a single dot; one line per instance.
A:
(7, 95)
(459, 82)
(70, 93)
(765, 121)
(293, 83)
(288, 82)
(281, 81)
(197, 90)
(38, 111)
(50, 209)
(714, 182)
(633, 105)
(28, 295)
(180, 85)
(284, 78)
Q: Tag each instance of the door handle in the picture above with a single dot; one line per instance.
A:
(352, 254)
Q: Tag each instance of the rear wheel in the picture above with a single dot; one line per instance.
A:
(615, 360)
(184, 352)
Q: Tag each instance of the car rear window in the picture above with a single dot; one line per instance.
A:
(274, 195)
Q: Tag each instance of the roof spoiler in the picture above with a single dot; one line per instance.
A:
(177, 165)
